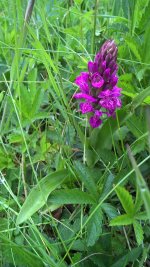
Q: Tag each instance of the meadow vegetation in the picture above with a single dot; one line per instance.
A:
(73, 195)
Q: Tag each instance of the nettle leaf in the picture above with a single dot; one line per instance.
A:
(125, 199)
(39, 194)
(107, 185)
(70, 196)
(124, 219)
(138, 232)
(110, 211)
(142, 216)
(85, 175)
(100, 250)
(94, 227)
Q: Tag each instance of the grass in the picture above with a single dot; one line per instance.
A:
(71, 195)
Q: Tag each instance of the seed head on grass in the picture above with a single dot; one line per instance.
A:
(98, 87)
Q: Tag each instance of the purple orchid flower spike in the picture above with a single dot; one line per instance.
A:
(98, 87)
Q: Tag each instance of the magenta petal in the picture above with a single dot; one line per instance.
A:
(114, 80)
(98, 113)
(95, 121)
(82, 82)
(110, 103)
(98, 58)
(106, 74)
(107, 103)
(86, 107)
(116, 91)
(85, 96)
(103, 65)
(92, 67)
(104, 94)
(118, 102)
(97, 80)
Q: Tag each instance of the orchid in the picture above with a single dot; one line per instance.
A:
(99, 93)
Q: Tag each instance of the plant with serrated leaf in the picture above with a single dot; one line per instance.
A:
(132, 214)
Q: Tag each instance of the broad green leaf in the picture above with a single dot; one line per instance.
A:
(70, 196)
(124, 219)
(125, 199)
(86, 177)
(94, 227)
(107, 185)
(39, 194)
(131, 256)
(100, 250)
(110, 211)
(121, 262)
(138, 232)
(141, 216)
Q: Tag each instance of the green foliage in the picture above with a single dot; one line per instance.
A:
(86, 177)
(132, 213)
(71, 195)
(125, 199)
(14, 253)
(124, 219)
(138, 232)
(143, 188)
(94, 227)
(39, 194)
(128, 257)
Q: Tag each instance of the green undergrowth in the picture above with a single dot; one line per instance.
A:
(71, 195)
